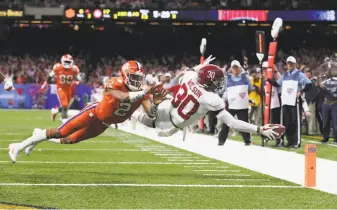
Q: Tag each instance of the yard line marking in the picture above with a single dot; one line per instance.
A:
(156, 146)
(241, 179)
(220, 170)
(184, 157)
(117, 163)
(328, 144)
(151, 185)
(160, 150)
(93, 141)
(206, 166)
(53, 149)
(160, 154)
(188, 160)
(226, 174)
(181, 155)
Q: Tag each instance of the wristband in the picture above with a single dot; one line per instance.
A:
(135, 96)
(153, 110)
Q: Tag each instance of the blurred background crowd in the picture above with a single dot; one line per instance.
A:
(179, 4)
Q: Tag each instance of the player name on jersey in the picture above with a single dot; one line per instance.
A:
(194, 89)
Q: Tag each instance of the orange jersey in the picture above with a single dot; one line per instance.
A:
(65, 77)
(112, 111)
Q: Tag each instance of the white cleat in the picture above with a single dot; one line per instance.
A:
(36, 131)
(54, 112)
(29, 149)
(14, 151)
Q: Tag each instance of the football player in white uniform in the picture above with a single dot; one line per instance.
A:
(193, 98)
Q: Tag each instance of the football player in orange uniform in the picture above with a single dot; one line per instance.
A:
(64, 73)
(123, 95)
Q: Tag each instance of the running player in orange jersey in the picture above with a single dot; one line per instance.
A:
(123, 95)
(54, 111)
(64, 73)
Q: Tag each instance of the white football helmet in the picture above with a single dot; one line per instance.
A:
(67, 61)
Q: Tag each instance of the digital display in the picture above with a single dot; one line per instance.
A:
(202, 15)
(11, 13)
(237, 15)
(304, 15)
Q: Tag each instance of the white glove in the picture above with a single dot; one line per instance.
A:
(268, 131)
(8, 84)
(276, 27)
(203, 46)
(206, 62)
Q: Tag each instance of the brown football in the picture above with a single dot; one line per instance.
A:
(280, 129)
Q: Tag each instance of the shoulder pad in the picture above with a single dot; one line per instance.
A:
(114, 83)
(76, 69)
(57, 66)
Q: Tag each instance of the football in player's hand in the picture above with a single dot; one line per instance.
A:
(280, 129)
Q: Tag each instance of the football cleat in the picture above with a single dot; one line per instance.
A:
(14, 151)
(29, 149)
(54, 112)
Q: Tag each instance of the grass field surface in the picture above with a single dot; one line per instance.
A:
(121, 170)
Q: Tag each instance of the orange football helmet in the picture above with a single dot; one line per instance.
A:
(67, 61)
(133, 75)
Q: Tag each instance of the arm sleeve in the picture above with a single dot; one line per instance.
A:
(304, 80)
(273, 82)
(231, 122)
(280, 80)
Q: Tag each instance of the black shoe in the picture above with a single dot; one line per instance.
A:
(248, 143)
(324, 140)
(221, 143)
(295, 147)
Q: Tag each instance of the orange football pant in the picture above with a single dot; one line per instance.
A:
(83, 126)
(64, 97)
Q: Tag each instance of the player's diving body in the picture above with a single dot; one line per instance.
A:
(65, 73)
(193, 98)
(123, 95)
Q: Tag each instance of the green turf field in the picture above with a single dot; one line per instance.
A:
(120, 170)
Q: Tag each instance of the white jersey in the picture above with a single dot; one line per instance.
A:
(190, 103)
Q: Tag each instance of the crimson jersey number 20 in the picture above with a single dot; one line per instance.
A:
(181, 100)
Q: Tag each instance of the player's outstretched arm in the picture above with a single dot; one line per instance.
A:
(151, 108)
(133, 96)
(49, 80)
(242, 126)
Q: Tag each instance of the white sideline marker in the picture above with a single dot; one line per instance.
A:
(116, 163)
(150, 185)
